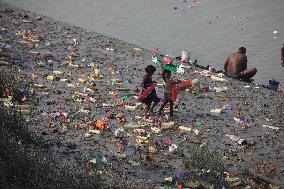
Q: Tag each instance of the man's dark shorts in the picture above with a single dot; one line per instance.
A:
(240, 76)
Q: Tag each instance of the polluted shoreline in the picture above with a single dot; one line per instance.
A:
(225, 133)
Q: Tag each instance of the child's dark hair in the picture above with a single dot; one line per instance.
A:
(150, 69)
(166, 73)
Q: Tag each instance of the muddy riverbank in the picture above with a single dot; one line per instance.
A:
(85, 87)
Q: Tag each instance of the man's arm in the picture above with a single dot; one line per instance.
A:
(226, 65)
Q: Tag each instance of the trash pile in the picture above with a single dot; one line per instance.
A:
(91, 106)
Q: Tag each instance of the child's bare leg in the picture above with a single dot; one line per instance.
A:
(154, 104)
(148, 107)
(163, 106)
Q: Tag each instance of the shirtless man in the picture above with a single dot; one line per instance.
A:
(282, 55)
(236, 66)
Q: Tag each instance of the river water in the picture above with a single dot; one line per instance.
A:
(211, 30)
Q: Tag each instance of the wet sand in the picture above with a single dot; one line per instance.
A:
(110, 57)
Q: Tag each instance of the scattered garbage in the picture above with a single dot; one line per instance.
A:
(271, 127)
(185, 56)
(97, 99)
(237, 139)
(273, 85)
(275, 32)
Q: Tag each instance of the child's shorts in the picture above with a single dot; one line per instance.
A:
(151, 98)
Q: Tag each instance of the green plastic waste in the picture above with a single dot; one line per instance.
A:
(172, 68)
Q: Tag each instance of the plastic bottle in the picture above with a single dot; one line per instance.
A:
(184, 56)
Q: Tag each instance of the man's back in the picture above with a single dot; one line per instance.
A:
(236, 66)
(236, 63)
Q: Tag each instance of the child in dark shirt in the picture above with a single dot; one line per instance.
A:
(152, 99)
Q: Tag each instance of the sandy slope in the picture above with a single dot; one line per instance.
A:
(259, 105)
(212, 30)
